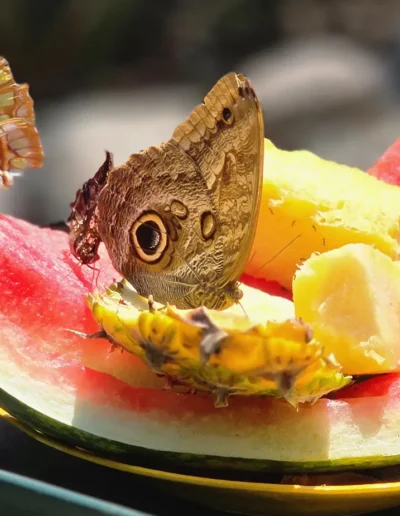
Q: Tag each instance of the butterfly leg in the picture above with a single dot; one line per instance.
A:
(151, 305)
(150, 302)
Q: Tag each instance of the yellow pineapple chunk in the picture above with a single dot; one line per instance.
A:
(351, 298)
(313, 205)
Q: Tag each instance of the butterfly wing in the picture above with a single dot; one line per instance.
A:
(15, 100)
(224, 137)
(20, 144)
(20, 148)
(178, 220)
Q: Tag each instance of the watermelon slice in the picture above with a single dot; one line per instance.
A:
(382, 385)
(48, 381)
(387, 168)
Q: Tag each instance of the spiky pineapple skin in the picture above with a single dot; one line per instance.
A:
(278, 359)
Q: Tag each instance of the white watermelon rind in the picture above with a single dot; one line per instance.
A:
(91, 436)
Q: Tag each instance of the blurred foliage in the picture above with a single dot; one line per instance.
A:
(71, 48)
(67, 45)
(64, 45)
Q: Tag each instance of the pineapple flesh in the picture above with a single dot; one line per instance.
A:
(351, 298)
(313, 205)
(329, 232)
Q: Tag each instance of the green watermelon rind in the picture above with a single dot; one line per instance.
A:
(175, 461)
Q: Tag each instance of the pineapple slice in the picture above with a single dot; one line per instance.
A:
(222, 352)
(351, 298)
(313, 205)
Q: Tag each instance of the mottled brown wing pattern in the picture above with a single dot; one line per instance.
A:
(178, 220)
(20, 143)
(157, 190)
(225, 138)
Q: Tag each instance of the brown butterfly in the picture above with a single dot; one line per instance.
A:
(20, 144)
(178, 220)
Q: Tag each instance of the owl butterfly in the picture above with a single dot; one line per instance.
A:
(20, 145)
(178, 220)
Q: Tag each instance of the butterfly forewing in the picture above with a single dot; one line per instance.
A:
(16, 102)
(6, 76)
(224, 137)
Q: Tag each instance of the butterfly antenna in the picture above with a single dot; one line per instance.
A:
(250, 261)
(67, 254)
(78, 265)
(96, 273)
(277, 254)
(244, 311)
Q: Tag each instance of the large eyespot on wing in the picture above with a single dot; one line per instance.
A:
(149, 236)
(15, 100)
(20, 148)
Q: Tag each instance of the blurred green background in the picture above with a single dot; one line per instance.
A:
(121, 74)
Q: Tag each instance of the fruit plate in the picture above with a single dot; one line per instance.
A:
(251, 498)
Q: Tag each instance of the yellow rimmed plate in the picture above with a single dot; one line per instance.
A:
(251, 498)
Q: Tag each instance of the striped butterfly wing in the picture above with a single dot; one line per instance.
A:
(20, 143)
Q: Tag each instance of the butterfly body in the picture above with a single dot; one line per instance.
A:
(178, 220)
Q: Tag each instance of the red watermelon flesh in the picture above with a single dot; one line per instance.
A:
(43, 296)
(387, 168)
(41, 366)
(382, 385)
(269, 286)
(45, 367)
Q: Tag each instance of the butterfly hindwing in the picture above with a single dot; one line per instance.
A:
(20, 143)
(178, 220)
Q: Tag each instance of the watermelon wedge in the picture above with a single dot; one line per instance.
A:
(387, 168)
(377, 386)
(70, 388)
